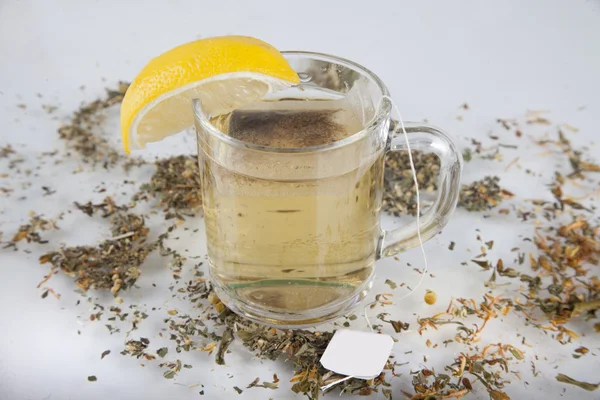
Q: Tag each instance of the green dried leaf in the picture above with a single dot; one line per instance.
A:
(270, 385)
(399, 326)
(555, 290)
(570, 381)
(509, 272)
(467, 156)
(223, 345)
(162, 352)
(170, 374)
(482, 263)
(518, 355)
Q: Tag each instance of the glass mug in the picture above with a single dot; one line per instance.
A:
(293, 234)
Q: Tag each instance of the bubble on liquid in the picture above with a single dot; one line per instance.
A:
(304, 77)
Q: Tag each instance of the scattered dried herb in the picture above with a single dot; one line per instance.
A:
(399, 196)
(487, 367)
(92, 378)
(7, 151)
(304, 348)
(172, 368)
(114, 264)
(565, 253)
(483, 195)
(574, 156)
(14, 160)
(79, 132)
(31, 231)
(176, 185)
(559, 284)
(137, 349)
(108, 207)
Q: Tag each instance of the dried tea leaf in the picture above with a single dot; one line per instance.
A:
(31, 231)
(114, 264)
(223, 345)
(162, 352)
(483, 264)
(584, 385)
(399, 326)
(137, 349)
(482, 195)
(467, 384)
(176, 185)
(269, 385)
(79, 132)
(169, 374)
(516, 353)
(107, 206)
(253, 383)
(173, 368)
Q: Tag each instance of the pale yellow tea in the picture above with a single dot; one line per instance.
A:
(289, 245)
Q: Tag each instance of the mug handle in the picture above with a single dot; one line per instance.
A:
(428, 139)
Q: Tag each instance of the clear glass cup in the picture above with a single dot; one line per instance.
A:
(293, 234)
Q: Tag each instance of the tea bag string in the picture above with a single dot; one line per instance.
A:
(414, 174)
(416, 182)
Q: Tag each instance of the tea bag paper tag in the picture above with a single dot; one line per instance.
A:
(357, 354)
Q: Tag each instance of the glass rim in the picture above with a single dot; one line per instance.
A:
(381, 114)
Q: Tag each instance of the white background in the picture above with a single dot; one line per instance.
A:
(503, 58)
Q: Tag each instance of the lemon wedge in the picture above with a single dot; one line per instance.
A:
(225, 72)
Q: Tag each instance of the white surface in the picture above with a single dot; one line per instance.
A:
(357, 353)
(503, 58)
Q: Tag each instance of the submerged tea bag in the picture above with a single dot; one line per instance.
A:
(287, 127)
(289, 123)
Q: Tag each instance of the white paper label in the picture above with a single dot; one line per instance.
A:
(356, 353)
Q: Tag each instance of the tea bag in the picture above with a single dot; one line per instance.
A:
(357, 354)
(302, 123)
